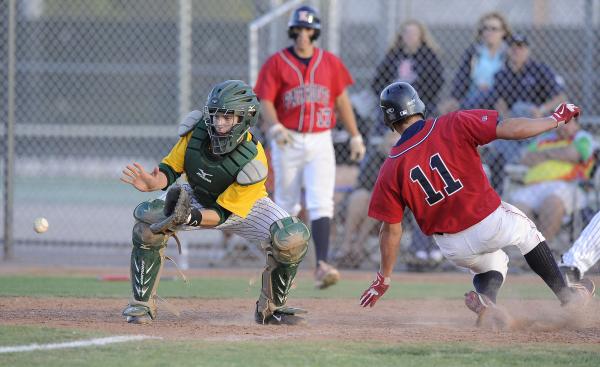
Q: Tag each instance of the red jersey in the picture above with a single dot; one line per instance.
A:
(436, 171)
(303, 95)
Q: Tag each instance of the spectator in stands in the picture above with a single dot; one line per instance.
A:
(523, 88)
(556, 160)
(412, 58)
(358, 224)
(481, 61)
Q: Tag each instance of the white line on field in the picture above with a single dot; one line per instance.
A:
(76, 344)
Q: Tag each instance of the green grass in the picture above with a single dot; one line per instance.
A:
(31, 286)
(288, 353)
(21, 335)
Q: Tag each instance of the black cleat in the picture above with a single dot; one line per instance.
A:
(279, 318)
(570, 273)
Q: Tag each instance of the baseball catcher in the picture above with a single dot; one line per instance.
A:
(226, 169)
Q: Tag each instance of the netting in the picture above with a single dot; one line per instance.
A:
(100, 84)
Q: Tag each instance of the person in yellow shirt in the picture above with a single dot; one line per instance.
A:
(226, 169)
(556, 160)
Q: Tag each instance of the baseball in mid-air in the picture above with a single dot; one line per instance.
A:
(40, 225)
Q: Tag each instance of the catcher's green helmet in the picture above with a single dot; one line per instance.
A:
(231, 97)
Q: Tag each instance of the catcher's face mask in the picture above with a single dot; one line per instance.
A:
(223, 122)
(225, 130)
(231, 110)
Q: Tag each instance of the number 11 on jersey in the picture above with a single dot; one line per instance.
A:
(451, 185)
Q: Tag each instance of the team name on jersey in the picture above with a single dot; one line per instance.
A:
(311, 93)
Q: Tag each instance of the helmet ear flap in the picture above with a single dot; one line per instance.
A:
(315, 35)
(293, 35)
(398, 101)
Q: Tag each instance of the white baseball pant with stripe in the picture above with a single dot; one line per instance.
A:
(585, 252)
(254, 228)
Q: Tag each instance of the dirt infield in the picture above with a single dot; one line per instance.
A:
(393, 321)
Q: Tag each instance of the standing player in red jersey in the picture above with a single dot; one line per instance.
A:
(301, 88)
(435, 170)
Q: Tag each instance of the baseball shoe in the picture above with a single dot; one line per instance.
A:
(279, 318)
(137, 314)
(582, 293)
(141, 320)
(483, 306)
(325, 275)
(570, 273)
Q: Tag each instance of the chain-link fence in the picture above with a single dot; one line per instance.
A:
(100, 83)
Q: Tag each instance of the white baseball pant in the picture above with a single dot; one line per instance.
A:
(307, 161)
(479, 247)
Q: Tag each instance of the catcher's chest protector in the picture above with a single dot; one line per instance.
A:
(208, 175)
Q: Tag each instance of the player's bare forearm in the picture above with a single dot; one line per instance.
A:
(389, 244)
(210, 218)
(269, 114)
(344, 108)
(522, 128)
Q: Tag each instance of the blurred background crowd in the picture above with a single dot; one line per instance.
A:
(103, 82)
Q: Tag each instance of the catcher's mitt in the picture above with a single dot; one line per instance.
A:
(177, 214)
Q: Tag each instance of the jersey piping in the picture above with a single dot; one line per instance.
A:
(312, 82)
(301, 80)
(415, 144)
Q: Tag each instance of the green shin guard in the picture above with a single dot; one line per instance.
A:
(147, 259)
(289, 239)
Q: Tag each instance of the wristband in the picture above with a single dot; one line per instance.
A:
(195, 218)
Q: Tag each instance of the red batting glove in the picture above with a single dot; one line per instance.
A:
(565, 112)
(376, 290)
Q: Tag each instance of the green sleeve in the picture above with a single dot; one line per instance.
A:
(584, 145)
(169, 172)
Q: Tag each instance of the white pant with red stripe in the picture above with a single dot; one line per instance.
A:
(479, 247)
(308, 162)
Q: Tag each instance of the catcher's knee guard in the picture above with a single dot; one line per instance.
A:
(147, 258)
(289, 244)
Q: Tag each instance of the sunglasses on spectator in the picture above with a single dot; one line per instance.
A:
(491, 28)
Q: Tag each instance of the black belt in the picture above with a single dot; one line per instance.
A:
(439, 233)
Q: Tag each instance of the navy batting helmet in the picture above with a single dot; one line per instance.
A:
(398, 101)
(306, 17)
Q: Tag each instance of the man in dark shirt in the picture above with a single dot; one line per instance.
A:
(524, 87)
